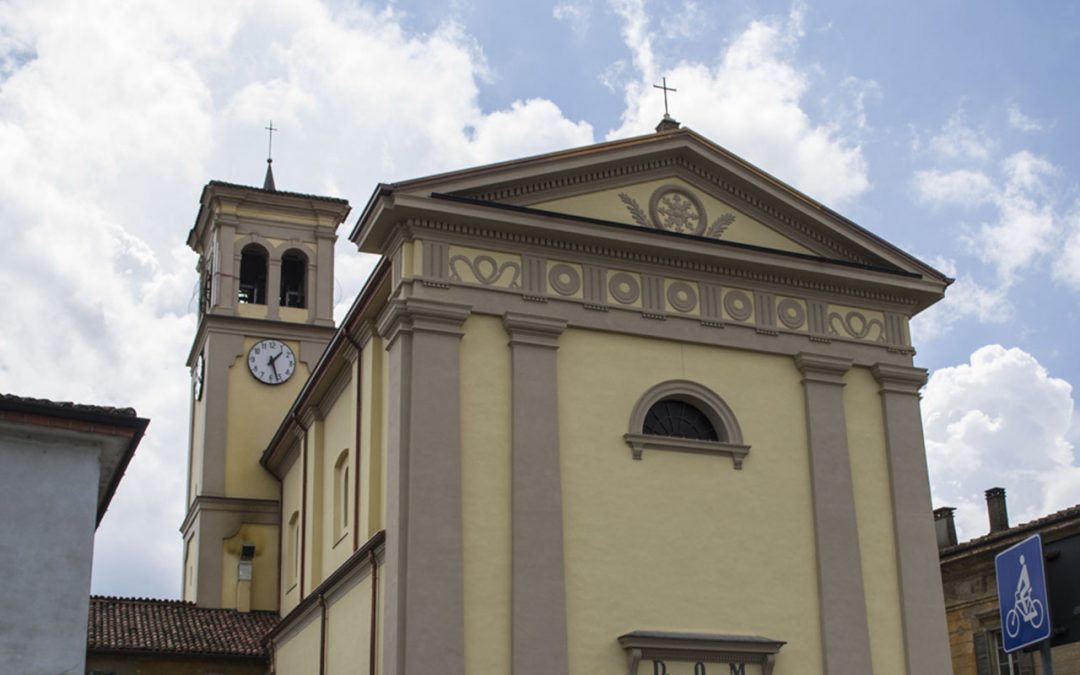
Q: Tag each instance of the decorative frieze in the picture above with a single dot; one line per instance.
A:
(660, 296)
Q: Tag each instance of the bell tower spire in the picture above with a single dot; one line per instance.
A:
(268, 181)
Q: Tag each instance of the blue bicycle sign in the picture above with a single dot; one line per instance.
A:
(1022, 599)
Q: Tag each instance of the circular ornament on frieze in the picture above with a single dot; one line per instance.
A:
(738, 306)
(564, 279)
(624, 288)
(791, 313)
(676, 209)
(682, 296)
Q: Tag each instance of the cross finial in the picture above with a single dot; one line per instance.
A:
(270, 141)
(666, 90)
(268, 181)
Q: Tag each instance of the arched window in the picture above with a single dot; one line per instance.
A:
(292, 553)
(672, 417)
(293, 275)
(685, 416)
(253, 275)
(341, 495)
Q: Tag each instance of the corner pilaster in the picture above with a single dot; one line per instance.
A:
(845, 634)
(538, 605)
(922, 601)
(425, 600)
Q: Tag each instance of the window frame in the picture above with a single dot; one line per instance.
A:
(707, 401)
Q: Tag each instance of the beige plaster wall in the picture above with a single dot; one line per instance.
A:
(607, 205)
(486, 509)
(255, 411)
(676, 541)
(873, 514)
(297, 652)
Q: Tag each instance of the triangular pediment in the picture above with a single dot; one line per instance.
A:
(676, 205)
(669, 183)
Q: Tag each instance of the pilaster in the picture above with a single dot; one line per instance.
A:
(921, 599)
(424, 602)
(538, 605)
(845, 634)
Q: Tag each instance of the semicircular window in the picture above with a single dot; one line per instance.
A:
(672, 417)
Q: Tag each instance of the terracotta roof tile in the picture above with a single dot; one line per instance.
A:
(65, 405)
(175, 627)
(1066, 514)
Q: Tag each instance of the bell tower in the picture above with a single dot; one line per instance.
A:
(266, 274)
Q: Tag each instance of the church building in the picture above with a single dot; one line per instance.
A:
(636, 407)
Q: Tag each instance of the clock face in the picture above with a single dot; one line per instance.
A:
(271, 361)
(200, 371)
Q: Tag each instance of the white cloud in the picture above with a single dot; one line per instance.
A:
(957, 140)
(962, 186)
(749, 101)
(999, 420)
(1067, 265)
(965, 299)
(578, 15)
(1025, 224)
(689, 22)
(111, 118)
(1020, 121)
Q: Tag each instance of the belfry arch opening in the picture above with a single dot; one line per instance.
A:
(253, 261)
(293, 276)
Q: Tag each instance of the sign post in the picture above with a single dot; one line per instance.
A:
(1022, 599)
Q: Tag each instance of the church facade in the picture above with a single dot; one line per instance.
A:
(636, 407)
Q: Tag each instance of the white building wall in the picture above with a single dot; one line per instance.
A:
(48, 506)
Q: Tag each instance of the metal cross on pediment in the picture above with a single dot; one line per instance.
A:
(666, 90)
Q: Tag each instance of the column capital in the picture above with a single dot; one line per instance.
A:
(822, 368)
(417, 314)
(533, 329)
(899, 379)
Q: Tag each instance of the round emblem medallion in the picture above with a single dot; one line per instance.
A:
(677, 210)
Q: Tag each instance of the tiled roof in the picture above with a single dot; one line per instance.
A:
(60, 406)
(175, 627)
(1071, 513)
(278, 192)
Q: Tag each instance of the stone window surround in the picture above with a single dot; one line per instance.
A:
(704, 399)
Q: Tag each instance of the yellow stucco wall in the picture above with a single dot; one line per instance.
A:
(348, 629)
(339, 435)
(290, 504)
(607, 205)
(485, 475)
(198, 434)
(372, 430)
(191, 551)
(255, 411)
(297, 651)
(264, 566)
(873, 513)
(681, 541)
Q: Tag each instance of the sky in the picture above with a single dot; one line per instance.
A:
(947, 128)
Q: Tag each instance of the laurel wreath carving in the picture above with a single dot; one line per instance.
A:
(636, 212)
(720, 224)
(716, 230)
